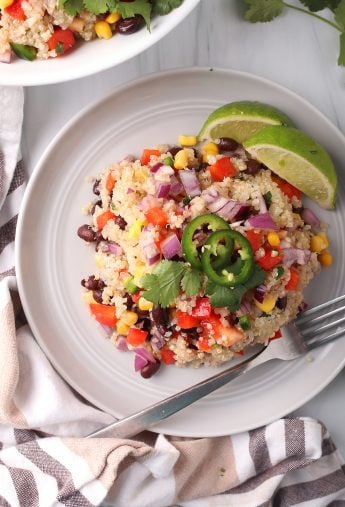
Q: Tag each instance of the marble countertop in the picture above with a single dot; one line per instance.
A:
(294, 50)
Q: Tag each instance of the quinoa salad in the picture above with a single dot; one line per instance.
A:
(200, 251)
(42, 29)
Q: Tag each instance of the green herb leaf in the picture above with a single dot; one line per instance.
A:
(191, 282)
(72, 7)
(96, 6)
(263, 10)
(130, 9)
(232, 297)
(163, 284)
(341, 57)
(315, 5)
(162, 7)
(59, 48)
(339, 17)
(268, 198)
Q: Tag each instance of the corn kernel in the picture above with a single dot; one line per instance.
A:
(88, 297)
(140, 176)
(209, 149)
(323, 235)
(318, 243)
(129, 318)
(113, 17)
(325, 258)
(268, 303)
(121, 327)
(138, 274)
(103, 30)
(5, 3)
(187, 140)
(144, 304)
(135, 229)
(273, 238)
(98, 260)
(181, 159)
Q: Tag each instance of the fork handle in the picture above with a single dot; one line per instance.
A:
(147, 417)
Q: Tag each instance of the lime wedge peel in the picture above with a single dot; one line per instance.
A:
(298, 159)
(241, 120)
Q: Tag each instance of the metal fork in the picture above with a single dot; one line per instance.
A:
(308, 331)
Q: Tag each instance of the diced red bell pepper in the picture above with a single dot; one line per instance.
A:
(136, 336)
(223, 168)
(104, 314)
(267, 262)
(156, 216)
(146, 155)
(203, 344)
(186, 321)
(103, 218)
(202, 308)
(61, 40)
(212, 325)
(277, 334)
(254, 238)
(168, 356)
(110, 183)
(289, 190)
(16, 10)
(294, 280)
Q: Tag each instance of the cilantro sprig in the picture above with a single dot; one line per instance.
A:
(266, 10)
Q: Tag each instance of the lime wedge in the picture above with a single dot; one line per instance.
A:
(298, 159)
(240, 120)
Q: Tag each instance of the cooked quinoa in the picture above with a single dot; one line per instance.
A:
(131, 241)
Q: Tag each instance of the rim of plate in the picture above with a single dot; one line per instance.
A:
(30, 188)
(29, 75)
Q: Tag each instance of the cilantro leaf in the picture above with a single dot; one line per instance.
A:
(163, 284)
(71, 7)
(341, 57)
(339, 16)
(162, 7)
(96, 6)
(232, 297)
(191, 282)
(263, 10)
(130, 9)
(315, 5)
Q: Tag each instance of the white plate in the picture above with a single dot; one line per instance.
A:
(94, 56)
(51, 260)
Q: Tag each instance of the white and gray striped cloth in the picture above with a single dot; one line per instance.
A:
(44, 461)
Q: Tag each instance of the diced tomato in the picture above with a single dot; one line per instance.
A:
(202, 308)
(146, 155)
(168, 356)
(135, 297)
(104, 314)
(267, 262)
(110, 183)
(16, 10)
(294, 280)
(289, 190)
(103, 218)
(277, 334)
(186, 321)
(136, 336)
(156, 216)
(254, 238)
(61, 40)
(223, 168)
(212, 325)
(203, 344)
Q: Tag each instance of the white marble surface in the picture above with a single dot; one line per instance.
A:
(294, 50)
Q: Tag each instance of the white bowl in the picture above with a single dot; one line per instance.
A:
(92, 57)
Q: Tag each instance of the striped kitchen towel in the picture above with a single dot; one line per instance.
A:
(44, 461)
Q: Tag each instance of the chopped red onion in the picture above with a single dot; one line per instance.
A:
(147, 202)
(295, 255)
(121, 343)
(210, 195)
(163, 190)
(262, 203)
(176, 187)
(171, 246)
(260, 293)
(6, 57)
(130, 191)
(156, 166)
(190, 182)
(111, 247)
(151, 252)
(139, 362)
(310, 218)
(145, 354)
(219, 203)
(107, 329)
(244, 308)
(262, 221)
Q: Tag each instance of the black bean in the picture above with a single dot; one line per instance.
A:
(95, 187)
(97, 203)
(174, 149)
(298, 210)
(253, 166)
(143, 314)
(93, 283)
(281, 303)
(97, 296)
(227, 144)
(121, 222)
(150, 369)
(86, 233)
(127, 26)
(160, 317)
(129, 301)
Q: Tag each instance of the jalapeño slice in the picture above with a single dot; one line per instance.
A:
(236, 273)
(207, 223)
